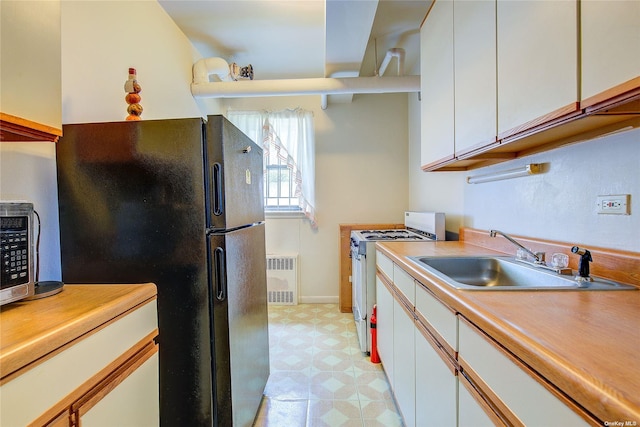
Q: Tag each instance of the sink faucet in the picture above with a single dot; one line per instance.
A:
(538, 256)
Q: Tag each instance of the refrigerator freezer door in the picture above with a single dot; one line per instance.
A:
(234, 176)
(240, 343)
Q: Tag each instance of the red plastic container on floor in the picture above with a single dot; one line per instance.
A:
(375, 358)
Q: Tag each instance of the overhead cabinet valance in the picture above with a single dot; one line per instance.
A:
(504, 79)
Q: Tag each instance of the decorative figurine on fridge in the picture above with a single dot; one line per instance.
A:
(133, 98)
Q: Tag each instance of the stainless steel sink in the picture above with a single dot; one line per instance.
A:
(504, 273)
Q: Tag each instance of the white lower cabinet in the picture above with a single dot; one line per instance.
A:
(510, 388)
(404, 381)
(444, 371)
(117, 407)
(384, 328)
(436, 383)
(108, 378)
(471, 413)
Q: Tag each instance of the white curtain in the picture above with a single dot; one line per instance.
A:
(289, 136)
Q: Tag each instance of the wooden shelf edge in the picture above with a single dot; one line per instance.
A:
(17, 129)
(628, 89)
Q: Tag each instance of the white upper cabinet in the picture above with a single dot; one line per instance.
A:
(610, 46)
(436, 84)
(537, 62)
(475, 74)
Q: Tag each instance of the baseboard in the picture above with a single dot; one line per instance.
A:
(318, 300)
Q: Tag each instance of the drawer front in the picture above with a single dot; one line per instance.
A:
(29, 395)
(117, 406)
(443, 320)
(405, 284)
(513, 385)
(384, 264)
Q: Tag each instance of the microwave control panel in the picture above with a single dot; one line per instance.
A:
(14, 250)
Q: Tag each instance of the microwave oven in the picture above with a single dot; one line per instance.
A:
(17, 251)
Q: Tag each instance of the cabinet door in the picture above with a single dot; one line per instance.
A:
(537, 62)
(610, 43)
(441, 318)
(436, 84)
(384, 302)
(405, 284)
(117, 407)
(470, 413)
(436, 384)
(475, 74)
(514, 387)
(404, 381)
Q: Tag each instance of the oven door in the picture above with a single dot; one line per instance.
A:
(358, 295)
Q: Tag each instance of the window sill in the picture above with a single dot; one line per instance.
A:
(283, 215)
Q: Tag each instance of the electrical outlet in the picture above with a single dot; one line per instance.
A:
(616, 204)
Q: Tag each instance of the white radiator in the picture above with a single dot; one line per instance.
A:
(282, 279)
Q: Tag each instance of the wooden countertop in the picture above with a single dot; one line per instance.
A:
(31, 331)
(586, 343)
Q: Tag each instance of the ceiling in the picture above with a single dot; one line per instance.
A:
(295, 39)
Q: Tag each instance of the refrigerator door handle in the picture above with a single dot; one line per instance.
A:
(221, 276)
(217, 189)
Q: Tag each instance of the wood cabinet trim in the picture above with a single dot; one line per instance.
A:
(619, 93)
(115, 378)
(145, 348)
(437, 343)
(344, 250)
(492, 405)
(441, 162)
(484, 402)
(562, 113)
(17, 129)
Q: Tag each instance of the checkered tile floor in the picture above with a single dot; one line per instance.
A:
(319, 377)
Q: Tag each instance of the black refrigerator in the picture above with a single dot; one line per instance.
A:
(178, 203)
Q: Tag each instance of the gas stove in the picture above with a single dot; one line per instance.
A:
(420, 227)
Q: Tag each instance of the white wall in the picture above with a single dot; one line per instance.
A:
(361, 177)
(28, 172)
(100, 41)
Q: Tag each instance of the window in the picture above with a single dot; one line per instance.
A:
(279, 189)
(287, 140)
